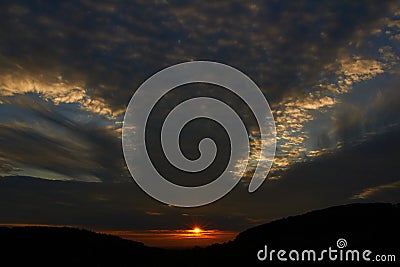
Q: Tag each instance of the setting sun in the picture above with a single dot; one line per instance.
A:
(197, 230)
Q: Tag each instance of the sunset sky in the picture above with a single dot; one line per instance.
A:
(329, 69)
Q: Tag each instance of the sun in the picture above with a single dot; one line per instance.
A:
(197, 230)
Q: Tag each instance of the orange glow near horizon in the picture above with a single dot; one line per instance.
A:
(197, 230)
(178, 238)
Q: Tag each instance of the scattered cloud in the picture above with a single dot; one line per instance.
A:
(329, 180)
(372, 192)
(51, 87)
(306, 59)
(44, 139)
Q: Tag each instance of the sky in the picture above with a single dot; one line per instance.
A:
(329, 69)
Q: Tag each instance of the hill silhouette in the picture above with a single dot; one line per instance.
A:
(364, 226)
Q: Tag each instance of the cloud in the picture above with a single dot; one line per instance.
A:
(327, 181)
(373, 192)
(6, 166)
(333, 110)
(282, 46)
(50, 87)
(373, 113)
(48, 140)
(330, 71)
(304, 58)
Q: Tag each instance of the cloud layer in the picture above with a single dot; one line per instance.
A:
(329, 69)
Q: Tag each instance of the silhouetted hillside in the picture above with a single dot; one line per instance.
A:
(65, 246)
(364, 226)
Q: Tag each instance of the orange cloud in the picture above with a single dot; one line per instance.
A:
(372, 191)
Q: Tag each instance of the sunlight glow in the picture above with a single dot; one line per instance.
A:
(197, 230)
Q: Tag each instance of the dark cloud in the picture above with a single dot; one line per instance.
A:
(113, 47)
(99, 55)
(7, 167)
(68, 69)
(369, 169)
(48, 140)
(371, 109)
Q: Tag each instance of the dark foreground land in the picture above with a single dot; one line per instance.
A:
(364, 226)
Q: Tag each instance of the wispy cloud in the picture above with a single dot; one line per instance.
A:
(51, 87)
(305, 58)
(44, 139)
(372, 192)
